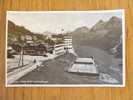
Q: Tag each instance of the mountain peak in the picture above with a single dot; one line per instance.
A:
(113, 22)
(99, 25)
(101, 21)
(114, 18)
(83, 29)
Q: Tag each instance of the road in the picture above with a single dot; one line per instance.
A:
(54, 72)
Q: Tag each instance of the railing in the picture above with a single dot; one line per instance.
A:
(18, 73)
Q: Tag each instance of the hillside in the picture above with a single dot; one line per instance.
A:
(15, 34)
(104, 34)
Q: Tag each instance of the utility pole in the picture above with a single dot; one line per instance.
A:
(22, 56)
(21, 60)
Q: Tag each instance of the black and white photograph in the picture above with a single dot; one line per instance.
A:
(65, 48)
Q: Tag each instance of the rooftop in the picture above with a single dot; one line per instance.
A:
(84, 68)
(85, 60)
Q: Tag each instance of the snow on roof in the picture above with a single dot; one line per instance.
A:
(85, 60)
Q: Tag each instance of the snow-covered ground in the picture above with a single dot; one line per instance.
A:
(107, 78)
(13, 62)
(16, 73)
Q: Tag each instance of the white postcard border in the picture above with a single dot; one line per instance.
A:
(71, 85)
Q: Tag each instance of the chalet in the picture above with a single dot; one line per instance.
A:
(35, 49)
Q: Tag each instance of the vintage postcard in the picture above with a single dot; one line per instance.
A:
(65, 48)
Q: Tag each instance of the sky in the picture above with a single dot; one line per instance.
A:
(40, 22)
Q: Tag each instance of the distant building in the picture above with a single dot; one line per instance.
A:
(58, 39)
(35, 49)
(59, 49)
(68, 45)
(65, 46)
(29, 39)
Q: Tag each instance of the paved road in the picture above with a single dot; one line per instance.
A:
(54, 72)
